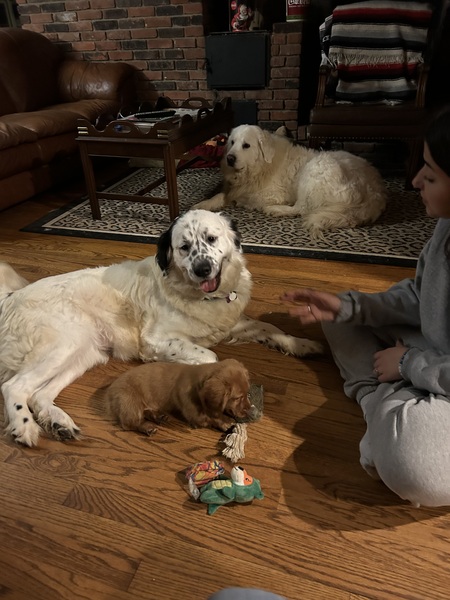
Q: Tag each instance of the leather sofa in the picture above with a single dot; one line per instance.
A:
(42, 94)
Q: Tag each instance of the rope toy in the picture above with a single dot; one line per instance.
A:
(235, 440)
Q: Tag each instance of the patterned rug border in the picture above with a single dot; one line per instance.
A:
(51, 224)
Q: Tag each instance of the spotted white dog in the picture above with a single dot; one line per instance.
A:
(168, 307)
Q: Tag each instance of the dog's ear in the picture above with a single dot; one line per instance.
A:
(213, 397)
(281, 131)
(238, 387)
(226, 390)
(164, 249)
(232, 224)
(266, 145)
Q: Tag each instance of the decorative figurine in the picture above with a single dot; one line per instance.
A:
(243, 15)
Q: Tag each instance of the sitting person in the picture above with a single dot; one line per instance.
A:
(393, 349)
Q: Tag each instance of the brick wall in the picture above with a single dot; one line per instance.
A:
(164, 40)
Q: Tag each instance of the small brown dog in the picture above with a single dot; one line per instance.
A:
(205, 395)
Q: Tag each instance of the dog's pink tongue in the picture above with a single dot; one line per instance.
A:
(209, 285)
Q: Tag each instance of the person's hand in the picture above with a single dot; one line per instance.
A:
(314, 306)
(385, 363)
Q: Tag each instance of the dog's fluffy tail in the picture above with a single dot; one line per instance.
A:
(10, 281)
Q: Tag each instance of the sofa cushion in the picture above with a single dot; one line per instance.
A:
(19, 158)
(13, 134)
(6, 102)
(89, 109)
(29, 156)
(42, 96)
(78, 80)
(30, 70)
(60, 118)
(16, 188)
(44, 123)
(57, 146)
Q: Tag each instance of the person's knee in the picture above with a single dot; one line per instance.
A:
(417, 482)
(409, 449)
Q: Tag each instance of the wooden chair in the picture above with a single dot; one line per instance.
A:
(331, 120)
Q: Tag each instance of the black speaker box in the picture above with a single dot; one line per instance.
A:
(245, 112)
(237, 60)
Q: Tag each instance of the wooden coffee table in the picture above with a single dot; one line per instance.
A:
(168, 140)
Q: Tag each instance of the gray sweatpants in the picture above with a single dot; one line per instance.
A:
(407, 442)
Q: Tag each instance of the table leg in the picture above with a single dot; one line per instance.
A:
(91, 185)
(171, 181)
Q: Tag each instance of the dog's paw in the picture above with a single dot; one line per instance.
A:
(226, 425)
(200, 356)
(217, 202)
(288, 344)
(217, 423)
(305, 347)
(57, 423)
(62, 433)
(204, 205)
(25, 431)
(155, 416)
(147, 428)
(161, 419)
(280, 210)
(182, 351)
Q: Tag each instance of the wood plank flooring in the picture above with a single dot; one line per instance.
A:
(108, 517)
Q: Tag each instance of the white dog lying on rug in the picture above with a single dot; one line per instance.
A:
(267, 171)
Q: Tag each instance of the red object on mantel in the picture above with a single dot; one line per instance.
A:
(297, 10)
(241, 15)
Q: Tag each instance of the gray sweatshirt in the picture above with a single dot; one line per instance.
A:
(422, 303)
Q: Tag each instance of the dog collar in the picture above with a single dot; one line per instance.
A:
(229, 298)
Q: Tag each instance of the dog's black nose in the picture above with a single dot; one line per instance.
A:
(202, 268)
(231, 159)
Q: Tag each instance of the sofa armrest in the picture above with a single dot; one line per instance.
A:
(83, 80)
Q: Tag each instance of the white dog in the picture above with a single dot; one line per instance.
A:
(169, 307)
(267, 171)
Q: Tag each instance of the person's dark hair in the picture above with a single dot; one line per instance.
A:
(437, 137)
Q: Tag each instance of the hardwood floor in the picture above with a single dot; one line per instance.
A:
(108, 517)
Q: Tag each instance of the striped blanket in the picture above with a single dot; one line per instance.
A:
(375, 48)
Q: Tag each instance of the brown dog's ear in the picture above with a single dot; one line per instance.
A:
(213, 396)
(237, 376)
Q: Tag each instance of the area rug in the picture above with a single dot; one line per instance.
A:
(396, 238)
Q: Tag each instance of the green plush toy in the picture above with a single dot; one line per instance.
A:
(240, 488)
